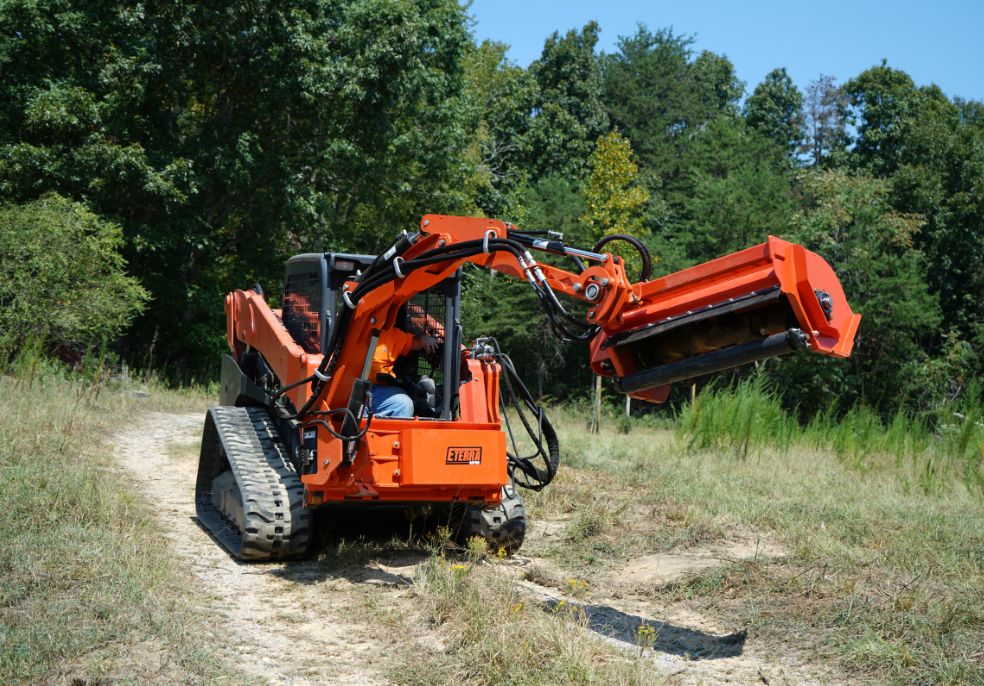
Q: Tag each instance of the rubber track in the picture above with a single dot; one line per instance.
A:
(503, 526)
(277, 526)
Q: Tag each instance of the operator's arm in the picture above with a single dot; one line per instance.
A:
(420, 322)
(394, 343)
(424, 342)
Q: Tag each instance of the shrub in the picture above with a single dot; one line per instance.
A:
(63, 280)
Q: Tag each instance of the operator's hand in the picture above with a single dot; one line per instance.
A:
(428, 343)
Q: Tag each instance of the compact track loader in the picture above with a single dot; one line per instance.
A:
(296, 429)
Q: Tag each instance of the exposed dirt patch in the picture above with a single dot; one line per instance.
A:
(656, 570)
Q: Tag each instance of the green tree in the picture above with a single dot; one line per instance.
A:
(569, 113)
(616, 203)
(930, 152)
(741, 190)
(850, 221)
(63, 281)
(222, 138)
(939, 175)
(659, 95)
(500, 97)
(882, 105)
(663, 98)
(775, 109)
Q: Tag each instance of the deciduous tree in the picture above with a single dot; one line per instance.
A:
(63, 281)
(775, 108)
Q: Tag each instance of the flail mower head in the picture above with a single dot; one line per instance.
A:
(764, 301)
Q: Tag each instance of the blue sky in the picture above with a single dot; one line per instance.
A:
(939, 42)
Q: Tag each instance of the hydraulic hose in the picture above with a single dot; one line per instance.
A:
(647, 258)
(382, 272)
(538, 469)
(385, 274)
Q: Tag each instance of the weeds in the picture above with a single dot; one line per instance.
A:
(496, 635)
(85, 584)
(931, 452)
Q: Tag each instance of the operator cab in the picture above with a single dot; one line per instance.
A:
(312, 296)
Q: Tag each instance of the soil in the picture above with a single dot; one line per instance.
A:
(310, 622)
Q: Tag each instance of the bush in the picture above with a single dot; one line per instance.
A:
(62, 277)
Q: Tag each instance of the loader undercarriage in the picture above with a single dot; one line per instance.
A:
(247, 492)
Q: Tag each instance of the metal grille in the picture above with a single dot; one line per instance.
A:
(426, 311)
(302, 310)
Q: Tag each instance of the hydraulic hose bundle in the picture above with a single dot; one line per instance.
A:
(536, 470)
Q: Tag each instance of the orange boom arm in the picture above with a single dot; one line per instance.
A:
(757, 303)
(763, 301)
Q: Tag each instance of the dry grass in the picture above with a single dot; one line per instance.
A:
(885, 578)
(884, 575)
(89, 592)
(494, 634)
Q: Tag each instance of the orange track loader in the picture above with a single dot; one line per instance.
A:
(296, 428)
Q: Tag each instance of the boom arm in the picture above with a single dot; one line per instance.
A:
(766, 300)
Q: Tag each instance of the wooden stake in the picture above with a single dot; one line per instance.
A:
(596, 419)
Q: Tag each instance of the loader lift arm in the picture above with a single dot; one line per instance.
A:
(769, 299)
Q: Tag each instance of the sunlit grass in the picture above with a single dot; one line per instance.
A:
(885, 531)
(495, 634)
(86, 583)
(934, 452)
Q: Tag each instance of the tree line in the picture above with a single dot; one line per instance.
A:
(155, 155)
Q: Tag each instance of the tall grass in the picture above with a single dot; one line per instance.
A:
(883, 577)
(931, 452)
(87, 592)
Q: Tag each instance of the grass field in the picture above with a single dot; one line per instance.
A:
(884, 574)
(881, 528)
(88, 587)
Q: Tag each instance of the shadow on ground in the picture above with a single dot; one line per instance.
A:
(675, 640)
(361, 546)
(380, 566)
(376, 548)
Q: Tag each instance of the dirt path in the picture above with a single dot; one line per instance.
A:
(284, 624)
(306, 622)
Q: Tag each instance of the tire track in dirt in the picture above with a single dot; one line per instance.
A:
(294, 624)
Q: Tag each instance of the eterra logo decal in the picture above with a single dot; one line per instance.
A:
(464, 456)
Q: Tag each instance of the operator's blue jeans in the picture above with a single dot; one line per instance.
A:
(391, 401)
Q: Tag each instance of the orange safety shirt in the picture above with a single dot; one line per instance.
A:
(392, 344)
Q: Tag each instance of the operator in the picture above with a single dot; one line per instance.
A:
(388, 398)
